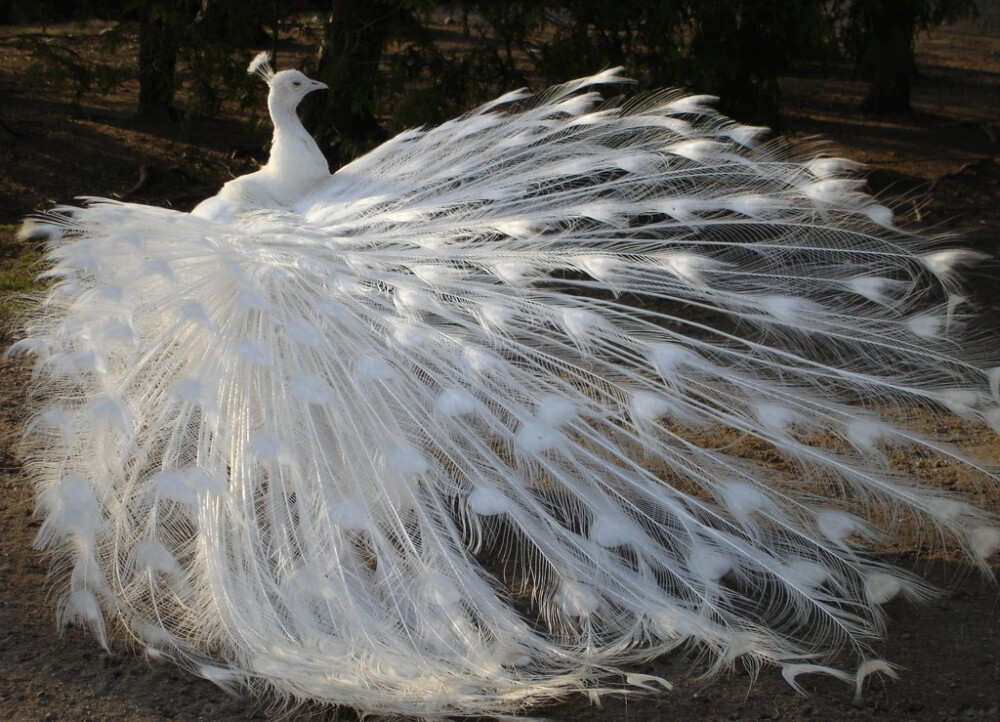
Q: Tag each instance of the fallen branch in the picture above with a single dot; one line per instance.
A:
(145, 175)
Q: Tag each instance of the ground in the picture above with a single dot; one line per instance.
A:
(942, 160)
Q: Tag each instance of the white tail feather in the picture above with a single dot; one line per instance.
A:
(502, 406)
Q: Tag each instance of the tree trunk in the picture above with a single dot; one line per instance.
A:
(344, 122)
(732, 58)
(6, 134)
(161, 26)
(888, 28)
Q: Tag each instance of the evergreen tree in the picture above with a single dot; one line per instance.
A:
(880, 36)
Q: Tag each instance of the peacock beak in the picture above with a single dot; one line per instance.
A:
(317, 85)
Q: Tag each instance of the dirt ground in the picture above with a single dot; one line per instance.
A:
(942, 158)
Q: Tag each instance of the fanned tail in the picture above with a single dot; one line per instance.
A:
(505, 405)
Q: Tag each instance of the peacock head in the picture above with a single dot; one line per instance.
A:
(288, 87)
(291, 86)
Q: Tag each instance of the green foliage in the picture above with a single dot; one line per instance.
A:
(44, 12)
(19, 270)
(198, 45)
(356, 36)
(879, 35)
(57, 64)
(208, 38)
(392, 64)
(513, 25)
(430, 85)
(214, 53)
(647, 38)
(739, 47)
(733, 48)
(389, 66)
(857, 20)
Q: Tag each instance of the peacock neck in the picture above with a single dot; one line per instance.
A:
(294, 153)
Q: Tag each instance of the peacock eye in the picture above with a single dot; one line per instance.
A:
(296, 83)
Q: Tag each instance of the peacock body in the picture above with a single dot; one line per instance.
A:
(460, 427)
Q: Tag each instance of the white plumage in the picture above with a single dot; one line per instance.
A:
(458, 428)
